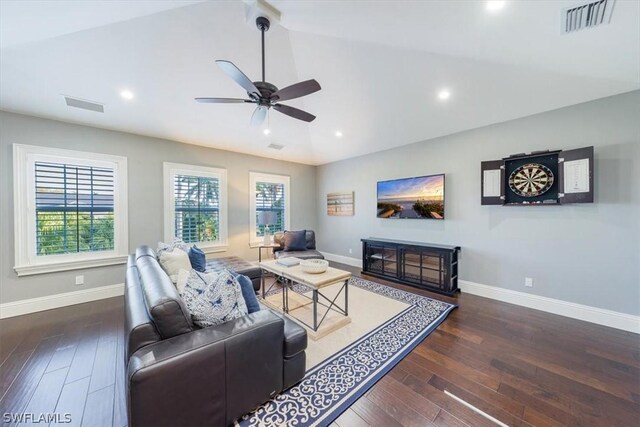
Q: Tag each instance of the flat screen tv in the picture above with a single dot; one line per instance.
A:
(420, 197)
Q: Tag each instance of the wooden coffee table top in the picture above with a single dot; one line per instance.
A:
(295, 273)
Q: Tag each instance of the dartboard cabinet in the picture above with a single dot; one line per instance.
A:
(550, 177)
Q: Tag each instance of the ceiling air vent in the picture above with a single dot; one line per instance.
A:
(84, 104)
(587, 15)
(275, 146)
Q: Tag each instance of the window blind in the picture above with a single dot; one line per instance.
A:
(270, 197)
(197, 208)
(74, 208)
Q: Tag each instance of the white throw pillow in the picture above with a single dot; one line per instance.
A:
(213, 299)
(183, 276)
(173, 261)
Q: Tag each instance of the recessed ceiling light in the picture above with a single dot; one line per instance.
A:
(494, 5)
(266, 131)
(126, 94)
(338, 134)
(444, 94)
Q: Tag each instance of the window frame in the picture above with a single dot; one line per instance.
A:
(170, 170)
(27, 262)
(255, 177)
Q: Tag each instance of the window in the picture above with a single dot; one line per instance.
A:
(196, 205)
(269, 198)
(70, 209)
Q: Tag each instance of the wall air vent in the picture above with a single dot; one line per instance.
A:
(586, 15)
(275, 146)
(84, 104)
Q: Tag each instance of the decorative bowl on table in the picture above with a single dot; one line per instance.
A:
(314, 266)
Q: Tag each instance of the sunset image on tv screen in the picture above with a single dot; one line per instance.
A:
(420, 197)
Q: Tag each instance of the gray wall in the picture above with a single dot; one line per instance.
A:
(145, 157)
(587, 254)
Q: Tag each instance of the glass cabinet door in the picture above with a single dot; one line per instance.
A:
(424, 267)
(382, 259)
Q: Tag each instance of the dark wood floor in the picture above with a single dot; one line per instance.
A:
(521, 366)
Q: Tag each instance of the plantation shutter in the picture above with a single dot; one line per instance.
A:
(270, 197)
(74, 208)
(197, 208)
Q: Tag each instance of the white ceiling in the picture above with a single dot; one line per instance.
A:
(380, 64)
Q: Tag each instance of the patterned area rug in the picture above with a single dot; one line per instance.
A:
(333, 385)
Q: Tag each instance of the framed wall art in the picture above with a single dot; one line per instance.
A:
(340, 204)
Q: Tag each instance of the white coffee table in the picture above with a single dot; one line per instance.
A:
(297, 307)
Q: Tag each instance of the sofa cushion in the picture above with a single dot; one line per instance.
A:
(174, 261)
(212, 302)
(295, 240)
(295, 338)
(248, 293)
(198, 259)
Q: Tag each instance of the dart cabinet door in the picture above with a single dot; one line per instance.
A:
(492, 182)
(575, 176)
(574, 170)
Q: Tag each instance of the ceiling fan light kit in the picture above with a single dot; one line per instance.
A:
(262, 93)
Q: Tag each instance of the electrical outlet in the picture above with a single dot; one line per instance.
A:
(79, 280)
(350, 250)
(528, 282)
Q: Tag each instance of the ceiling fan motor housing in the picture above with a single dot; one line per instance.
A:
(266, 90)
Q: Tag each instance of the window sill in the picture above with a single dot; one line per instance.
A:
(29, 270)
(213, 249)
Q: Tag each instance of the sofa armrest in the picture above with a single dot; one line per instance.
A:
(209, 376)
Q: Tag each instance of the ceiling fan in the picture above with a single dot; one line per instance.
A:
(263, 93)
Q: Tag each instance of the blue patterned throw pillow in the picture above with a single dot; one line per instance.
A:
(198, 259)
(213, 299)
(177, 243)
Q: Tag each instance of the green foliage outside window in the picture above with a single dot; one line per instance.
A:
(197, 208)
(59, 232)
(270, 197)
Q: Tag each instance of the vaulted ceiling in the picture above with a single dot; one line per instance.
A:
(381, 65)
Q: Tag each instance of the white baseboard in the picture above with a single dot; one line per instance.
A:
(600, 316)
(18, 308)
(354, 262)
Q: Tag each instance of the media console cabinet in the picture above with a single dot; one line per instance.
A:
(424, 265)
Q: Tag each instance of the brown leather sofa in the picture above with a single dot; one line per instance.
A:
(310, 251)
(181, 375)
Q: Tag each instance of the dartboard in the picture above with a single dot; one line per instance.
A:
(530, 180)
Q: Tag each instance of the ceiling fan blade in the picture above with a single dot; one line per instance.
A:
(297, 90)
(238, 76)
(221, 100)
(258, 115)
(294, 112)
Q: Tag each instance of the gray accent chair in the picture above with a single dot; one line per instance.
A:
(309, 253)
